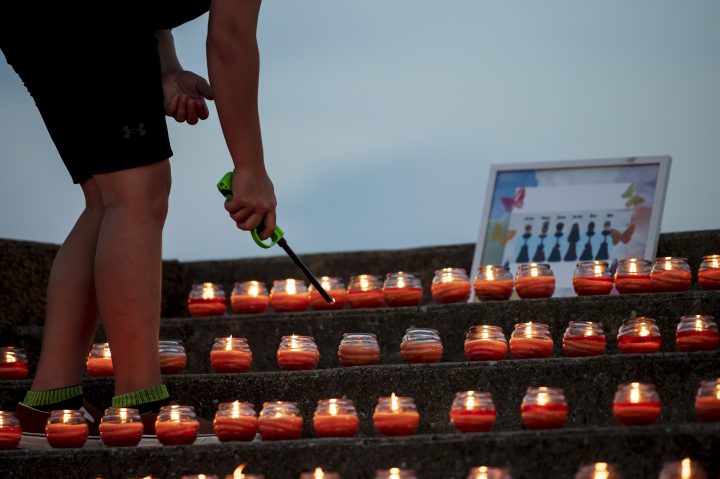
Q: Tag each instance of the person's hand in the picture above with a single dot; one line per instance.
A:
(184, 94)
(253, 201)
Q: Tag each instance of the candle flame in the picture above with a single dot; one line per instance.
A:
(394, 473)
(364, 283)
(174, 414)
(528, 329)
(489, 273)
(401, 282)
(208, 291)
(123, 415)
(482, 472)
(294, 343)
(106, 351)
(201, 476)
(699, 323)
(228, 343)
(601, 471)
(644, 331)
(668, 265)
(635, 393)
(485, 334)
(543, 398)
(333, 408)
(10, 357)
(446, 278)
(715, 263)
(326, 283)
(633, 266)
(236, 409)
(254, 288)
(394, 403)
(599, 270)
(685, 469)
(318, 474)
(67, 416)
(470, 400)
(534, 272)
(290, 286)
(238, 472)
(717, 391)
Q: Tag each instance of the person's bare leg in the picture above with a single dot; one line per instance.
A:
(128, 271)
(71, 312)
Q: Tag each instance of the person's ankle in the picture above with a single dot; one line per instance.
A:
(148, 400)
(70, 397)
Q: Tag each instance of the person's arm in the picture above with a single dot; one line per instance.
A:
(234, 66)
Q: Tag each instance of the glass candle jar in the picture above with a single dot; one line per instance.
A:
(450, 285)
(207, 299)
(670, 274)
(402, 289)
(249, 297)
(709, 272)
(121, 427)
(421, 345)
(599, 470)
(13, 363)
(359, 349)
(707, 401)
(230, 355)
(636, 404)
(485, 343)
(66, 428)
(633, 276)
(395, 473)
(396, 416)
(697, 333)
(493, 283)
(534, 280)
(472, 411)
(335, 287)
(685, 469)
(99, 361)
(176, 425)
(592, 278)
(487, 472)
(365, 291)
(318, 473)
(335, 418)
(239, 474)
(235, 421)
(543, 408)
(289, 295)
(173, 358)
(280, 420)
(10, 430)
(297, 353)
(639, 335)
(583, 338)
(531, 340)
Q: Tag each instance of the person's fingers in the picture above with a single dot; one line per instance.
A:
(251, 223)
(192, 117)
(241, 215)
(172, 106)
(181, 113)
(202, 110)
(204, 88)
(269, 222)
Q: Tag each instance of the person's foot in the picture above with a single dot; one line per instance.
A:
(33, 421)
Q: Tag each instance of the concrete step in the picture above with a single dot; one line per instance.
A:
(638, 451)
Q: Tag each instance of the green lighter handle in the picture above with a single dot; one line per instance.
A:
(224, 186)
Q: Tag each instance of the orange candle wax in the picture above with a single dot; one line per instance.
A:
(450, 292)
(708, 408)
(172, 364)
(365, 299)
(99, 367)
(200, 307)
(248, 304)
(280, 427)
(632, 344)
(494, 290)
(633, 283)
(592, 286)
(671, 280)
(521, 348)
(636, 413)
(358, 354)
(61, 435)
(398, 297)
(709, 279)
(474, 420)
(339, 425)
(14, 370)
(10, 437)
(421, 352)
(400, 423)
(296, 360)
(121, 435)
(687, 341)
(318, 303)
(533, 287)
(549, 416)
(232, 361)
(286, 302)
(485, 349)
(174, 433)
(580, 346)
(240, 428)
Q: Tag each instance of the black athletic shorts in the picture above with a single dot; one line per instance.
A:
(93, 71)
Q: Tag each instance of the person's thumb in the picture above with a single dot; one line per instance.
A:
(203, 87)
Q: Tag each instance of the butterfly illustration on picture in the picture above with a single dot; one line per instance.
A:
(516, 201)
(631, 197)
(500, 236)
(622, 237)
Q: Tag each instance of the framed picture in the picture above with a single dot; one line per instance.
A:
(561, 213)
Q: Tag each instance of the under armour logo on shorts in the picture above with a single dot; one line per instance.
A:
(129, 132)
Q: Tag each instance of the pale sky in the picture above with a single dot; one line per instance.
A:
(381, 118)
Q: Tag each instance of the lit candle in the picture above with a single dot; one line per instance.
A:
(485, 343)
(66, 428)
(249, 297)
(639, 335)
(173, 358)
(230, 355)
(493, 283)
(670, 274)
(486, 472)
(420, 345)
(297, 353)
(235, 421)
(583, 338)
(239, 474)
(402, 289)
(335, 418)
(395, 473)
(280, 420)
(318, 473)
(450, 285)
(697, 333)
(121, 427)
(99, 361)
(335, 287)
(709, 273)
(13, 363)
(592, 278)
(531, 340)
(636, 404)
(685, 469)
(289, 295)
(633, 276)
(472, 411)
(359, 349)
(176, 425)
(534, 280)
(365, 291)
(10, 430)
(707, 401)
(543, 408)
(207, 299)
(396, 416)
(599, 470)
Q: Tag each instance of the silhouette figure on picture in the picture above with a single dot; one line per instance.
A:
(524, 256)
(539, 256)
(603, 252)
(587, 253)
(573, 238)
(555, 253)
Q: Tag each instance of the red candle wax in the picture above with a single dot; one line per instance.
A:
(121, 435)
(451, 292)
(207, 307)
(287, 303)
(358, 355)
(233, 361)
(495, 290)
(280, 427)
(633, 283)
(473, 420)
(365, 299)
(402, 423)
(397, 297)
(580, 346)
(636, 414)
(687, 341)
(99, 367)
(708, 408)
(339, 425)
(10, 437)
(14, 370)
(424, 352)
(666, 281)
(296, 360)
(521, 348)
(318, 303)
(639, 344)
(532, 287)
(549, 416)
(172, 364)
(709, 279)
(241, 428)
(485, 349)
(175, 433)
(66, 435)
(248, 304)
(592, 286)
